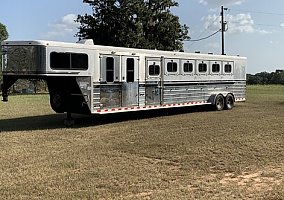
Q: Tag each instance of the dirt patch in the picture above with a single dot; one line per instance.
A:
(263, 180)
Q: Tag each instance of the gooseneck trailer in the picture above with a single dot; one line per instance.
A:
(92, 79)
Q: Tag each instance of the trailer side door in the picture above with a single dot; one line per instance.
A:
(110, 86)
(130, 80)
(154, 82)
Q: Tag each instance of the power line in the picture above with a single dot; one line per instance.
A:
(204, 38)
(270, 25)
(263, 13)
(258, 12)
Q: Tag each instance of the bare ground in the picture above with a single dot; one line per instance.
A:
(172, 154)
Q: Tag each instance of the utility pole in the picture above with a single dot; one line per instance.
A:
(223, 29)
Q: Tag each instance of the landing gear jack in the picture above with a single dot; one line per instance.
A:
(69, 121)
(7, 83)
(4, 95)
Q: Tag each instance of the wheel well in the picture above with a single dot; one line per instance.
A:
(212, 98)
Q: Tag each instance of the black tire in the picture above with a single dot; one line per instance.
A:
(219, 102)
(229, 102)
(58, 102)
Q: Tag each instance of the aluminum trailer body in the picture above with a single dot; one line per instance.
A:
(92, 79)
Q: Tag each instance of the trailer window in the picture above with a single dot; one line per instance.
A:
(202, 67)
(60, 60)
(216, 68)
(67, 61)
(172, 66)
(154, 70)
(109, 69)
(188, 67)
(79, 61)
(228, 68)
(130, 70)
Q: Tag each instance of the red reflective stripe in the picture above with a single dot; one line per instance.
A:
(158, 106)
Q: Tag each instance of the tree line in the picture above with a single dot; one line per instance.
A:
(265, 78)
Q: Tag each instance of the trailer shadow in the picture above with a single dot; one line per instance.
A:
(42, 122)
(56, 121)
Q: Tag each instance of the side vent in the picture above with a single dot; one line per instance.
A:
(86, 42)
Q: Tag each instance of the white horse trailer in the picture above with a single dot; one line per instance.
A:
(92, 79)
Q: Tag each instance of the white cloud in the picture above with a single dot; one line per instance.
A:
(222, 2)
(212, 22)
(239, 23)
(64, 27)
(273, 42)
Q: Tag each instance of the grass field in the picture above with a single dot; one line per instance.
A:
(172, 154)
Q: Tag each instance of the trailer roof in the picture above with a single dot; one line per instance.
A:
(86, 44)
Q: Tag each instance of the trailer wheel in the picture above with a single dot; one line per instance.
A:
(219, 102)
(229, 102)
(58, 102)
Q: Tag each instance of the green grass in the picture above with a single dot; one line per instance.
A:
(237, 154)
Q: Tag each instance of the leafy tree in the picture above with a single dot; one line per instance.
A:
(276, 77)
(133, 23)
(3, 36)
(3, 33)
(253, 80)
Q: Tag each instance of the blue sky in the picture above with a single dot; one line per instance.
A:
(255, 27)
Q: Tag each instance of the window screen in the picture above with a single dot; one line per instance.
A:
(188, 67)
(172, 66)
(154, 70)
(202, 67)
(228, 68)
(130, 70)
(109, 69)
(216, 68)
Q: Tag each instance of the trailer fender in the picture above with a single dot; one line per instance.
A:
(212, 98)
(217, 101)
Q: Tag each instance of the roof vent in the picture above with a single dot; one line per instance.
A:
(86, 41)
